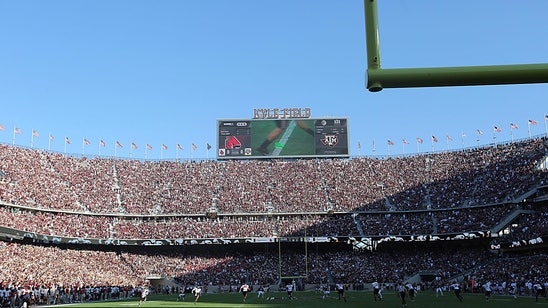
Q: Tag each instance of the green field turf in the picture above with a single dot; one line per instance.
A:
(314, 300)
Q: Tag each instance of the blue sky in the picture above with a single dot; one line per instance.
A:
(163, 72)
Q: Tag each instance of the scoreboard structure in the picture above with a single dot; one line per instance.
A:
(282, 138)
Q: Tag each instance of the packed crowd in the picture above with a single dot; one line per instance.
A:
(530, 268)
(452, 181)
(480, 176)
(529, 226)
(32, 265)
(451, 221)
(35, 266)
(57, 224)
(527, 229)
(28, 296)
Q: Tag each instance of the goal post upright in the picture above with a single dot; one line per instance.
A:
(305, 253)
(280, 258)
(280, 263)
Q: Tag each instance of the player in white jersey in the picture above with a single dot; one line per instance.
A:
(144, 294)
(456, 289)
(376, 291)
(402, 292)
(244, 289)
(488, 290)
(513, 290)
(539, 290)
(289, 288)
(197, 291)
(411, 291)
(340, 291)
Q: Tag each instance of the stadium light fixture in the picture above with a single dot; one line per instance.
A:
(378, 78)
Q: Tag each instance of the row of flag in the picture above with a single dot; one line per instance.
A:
(102, 143)
(496, 129)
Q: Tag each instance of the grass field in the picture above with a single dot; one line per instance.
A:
(314, 300)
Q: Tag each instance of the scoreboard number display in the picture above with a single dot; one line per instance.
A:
(282, 138)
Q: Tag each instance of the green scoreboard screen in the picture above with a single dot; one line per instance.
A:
(282, 138)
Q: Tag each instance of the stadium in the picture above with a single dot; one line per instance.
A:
(91, 228)
(283, 211)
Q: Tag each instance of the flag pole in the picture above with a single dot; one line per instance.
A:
(207, 152)
(545, 125)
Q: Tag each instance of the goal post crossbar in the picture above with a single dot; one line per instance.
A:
(293, 277)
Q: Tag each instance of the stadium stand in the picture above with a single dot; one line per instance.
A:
(81, 226)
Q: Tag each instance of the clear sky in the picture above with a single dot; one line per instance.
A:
(163, 72)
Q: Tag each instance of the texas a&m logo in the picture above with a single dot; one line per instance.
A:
(330, 140)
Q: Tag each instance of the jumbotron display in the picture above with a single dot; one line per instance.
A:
(283, 138)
